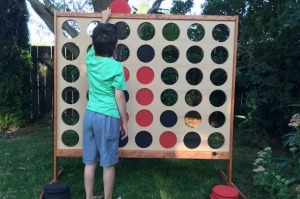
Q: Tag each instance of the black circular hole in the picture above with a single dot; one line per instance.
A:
(70, 51)
(193, 97)
(194, 76)
(216, 119)
(220, 32)
(217, 98)
(218, 77)
(194, 54)
(121, 53)
(169, 97)
(70, 95)
(171, 31)
(70, 116)
(170, 54)
(123, 30)
(70, 73)
(146, 31)
(70, 138)
(219, 55)
(215, 140)
(196, 32)
(169, 76)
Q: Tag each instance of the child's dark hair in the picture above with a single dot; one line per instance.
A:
(105, 39)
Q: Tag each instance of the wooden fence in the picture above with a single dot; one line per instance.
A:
(42, 76)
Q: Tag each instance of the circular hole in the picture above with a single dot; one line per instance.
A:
(143, 139)
(192, 119)
(169, 97)
(217, 98)
(168, 118)
(145, 53)
(70, 138)
(192, 140)
(169, 76)
(193, 97)
(145, 75)
(216, 140)
(91, 27)
(126, 73)
(70, 29)
(218, 77)
(216, 119)
(194, 76)
(70, 116)
(196, 32)
(144, 96)
(220, 32)
(170, 54)
(144, 118)
(70, 73)
(70, 95)
(219, 55)
(171, 31)
(121, 53)
(167, 139)
(194, 54)
(70, 51)
(146, 31)
(123, 30)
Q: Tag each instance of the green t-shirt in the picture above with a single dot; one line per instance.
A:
(104, 75)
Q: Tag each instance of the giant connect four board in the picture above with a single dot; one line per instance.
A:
(180, 74)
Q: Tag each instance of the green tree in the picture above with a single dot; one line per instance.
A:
(268, 60)
(15, 65)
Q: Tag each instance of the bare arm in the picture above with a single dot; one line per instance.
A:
(121, 102)
(105, 15)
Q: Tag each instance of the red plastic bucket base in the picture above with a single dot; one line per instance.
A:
(224, 192)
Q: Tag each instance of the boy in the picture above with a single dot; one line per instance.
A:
(106, 106)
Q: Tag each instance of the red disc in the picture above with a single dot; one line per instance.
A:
(120, 6)
(144, 96)
(126, 73)
(225, 192)
(145, 75)
(167, 139)
(144, 118)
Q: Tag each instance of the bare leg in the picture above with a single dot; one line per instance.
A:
(108, 181)
(89, 178)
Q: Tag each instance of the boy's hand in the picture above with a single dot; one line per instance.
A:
(124, 131)
(105, 15)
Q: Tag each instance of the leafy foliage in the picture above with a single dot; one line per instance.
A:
(268, 61)
(15, 65)
(268, 176)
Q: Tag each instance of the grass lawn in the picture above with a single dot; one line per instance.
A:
(27, 164)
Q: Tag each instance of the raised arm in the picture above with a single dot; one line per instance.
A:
(105, 15)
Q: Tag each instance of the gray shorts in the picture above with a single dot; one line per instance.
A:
(101, 135)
